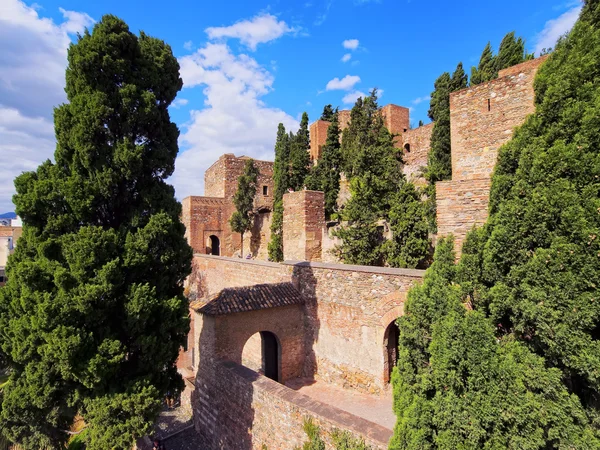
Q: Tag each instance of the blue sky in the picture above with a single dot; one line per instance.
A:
(247, 66)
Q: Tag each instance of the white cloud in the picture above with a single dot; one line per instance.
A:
(350, 44)
(179, 102)
(321, 18)
(346, 57)
(419, 100)
(32, 78)
(188, 45)
(555, 28)
(344, 84)
(234, 119)
(351, 97)
(260, 29)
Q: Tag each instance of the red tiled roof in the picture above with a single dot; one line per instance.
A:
(249, 298)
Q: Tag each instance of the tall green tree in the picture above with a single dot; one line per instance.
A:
(325, 176)
(299, 156)
(280, 182)
(510, 52)
(380, 196)
(328, 113)
(93, 314)
(242, 218)
(485, 71)
(530, 279)
(363, 131)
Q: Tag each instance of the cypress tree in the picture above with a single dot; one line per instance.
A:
(408, 221)
(280, 181)
(328, 113)
(530, 278)
(485, 71)
(326, 174)
(439, 165)
(510, 53)
(241, 219)
(363, 130)
(93, 315)
(299, 156)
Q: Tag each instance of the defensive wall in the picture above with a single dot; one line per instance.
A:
(332, 323)
(482, 119)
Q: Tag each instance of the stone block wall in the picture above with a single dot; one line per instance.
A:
(236, 408)
(482, 119)
(396, 118)
(461, 205)
(221, 179)
(303, 222)
(209, 215)
(346, 312)
(344, 119)
(416, 144)
(348, 309)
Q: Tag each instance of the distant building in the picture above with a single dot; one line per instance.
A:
(9, 234)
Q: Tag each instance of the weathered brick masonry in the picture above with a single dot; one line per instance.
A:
(336, 336)
(303, 223)
(482, 119)
(209, 215)
(236, 408)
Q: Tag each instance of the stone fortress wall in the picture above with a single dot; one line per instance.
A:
(482, 118)
(333, 323)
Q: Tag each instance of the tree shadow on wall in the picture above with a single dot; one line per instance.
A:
(305, 282)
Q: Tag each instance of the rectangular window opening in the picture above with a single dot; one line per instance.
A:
(489, 105)
(265, 190)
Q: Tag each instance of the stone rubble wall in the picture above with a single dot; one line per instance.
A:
(237, 408)
(347, 310)
(482, 119)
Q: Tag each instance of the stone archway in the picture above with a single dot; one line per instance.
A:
(390, 347)
(262, 353)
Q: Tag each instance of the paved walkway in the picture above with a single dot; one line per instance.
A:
(374, 408)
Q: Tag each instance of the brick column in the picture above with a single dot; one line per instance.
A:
(303, 221)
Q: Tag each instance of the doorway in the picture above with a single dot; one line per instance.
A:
(215, 246)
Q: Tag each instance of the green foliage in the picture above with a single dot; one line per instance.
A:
(531, 277)
(93, 314)
(325, 176)
(380, 192)
(299, 156)
(315, 442)
(454, 373)
(511, 52)
(243, 199)
(363, 131)
(328, 113)
(410, 229)
(280, 182)
(343, 440)
(275, 247)
(486, 70)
